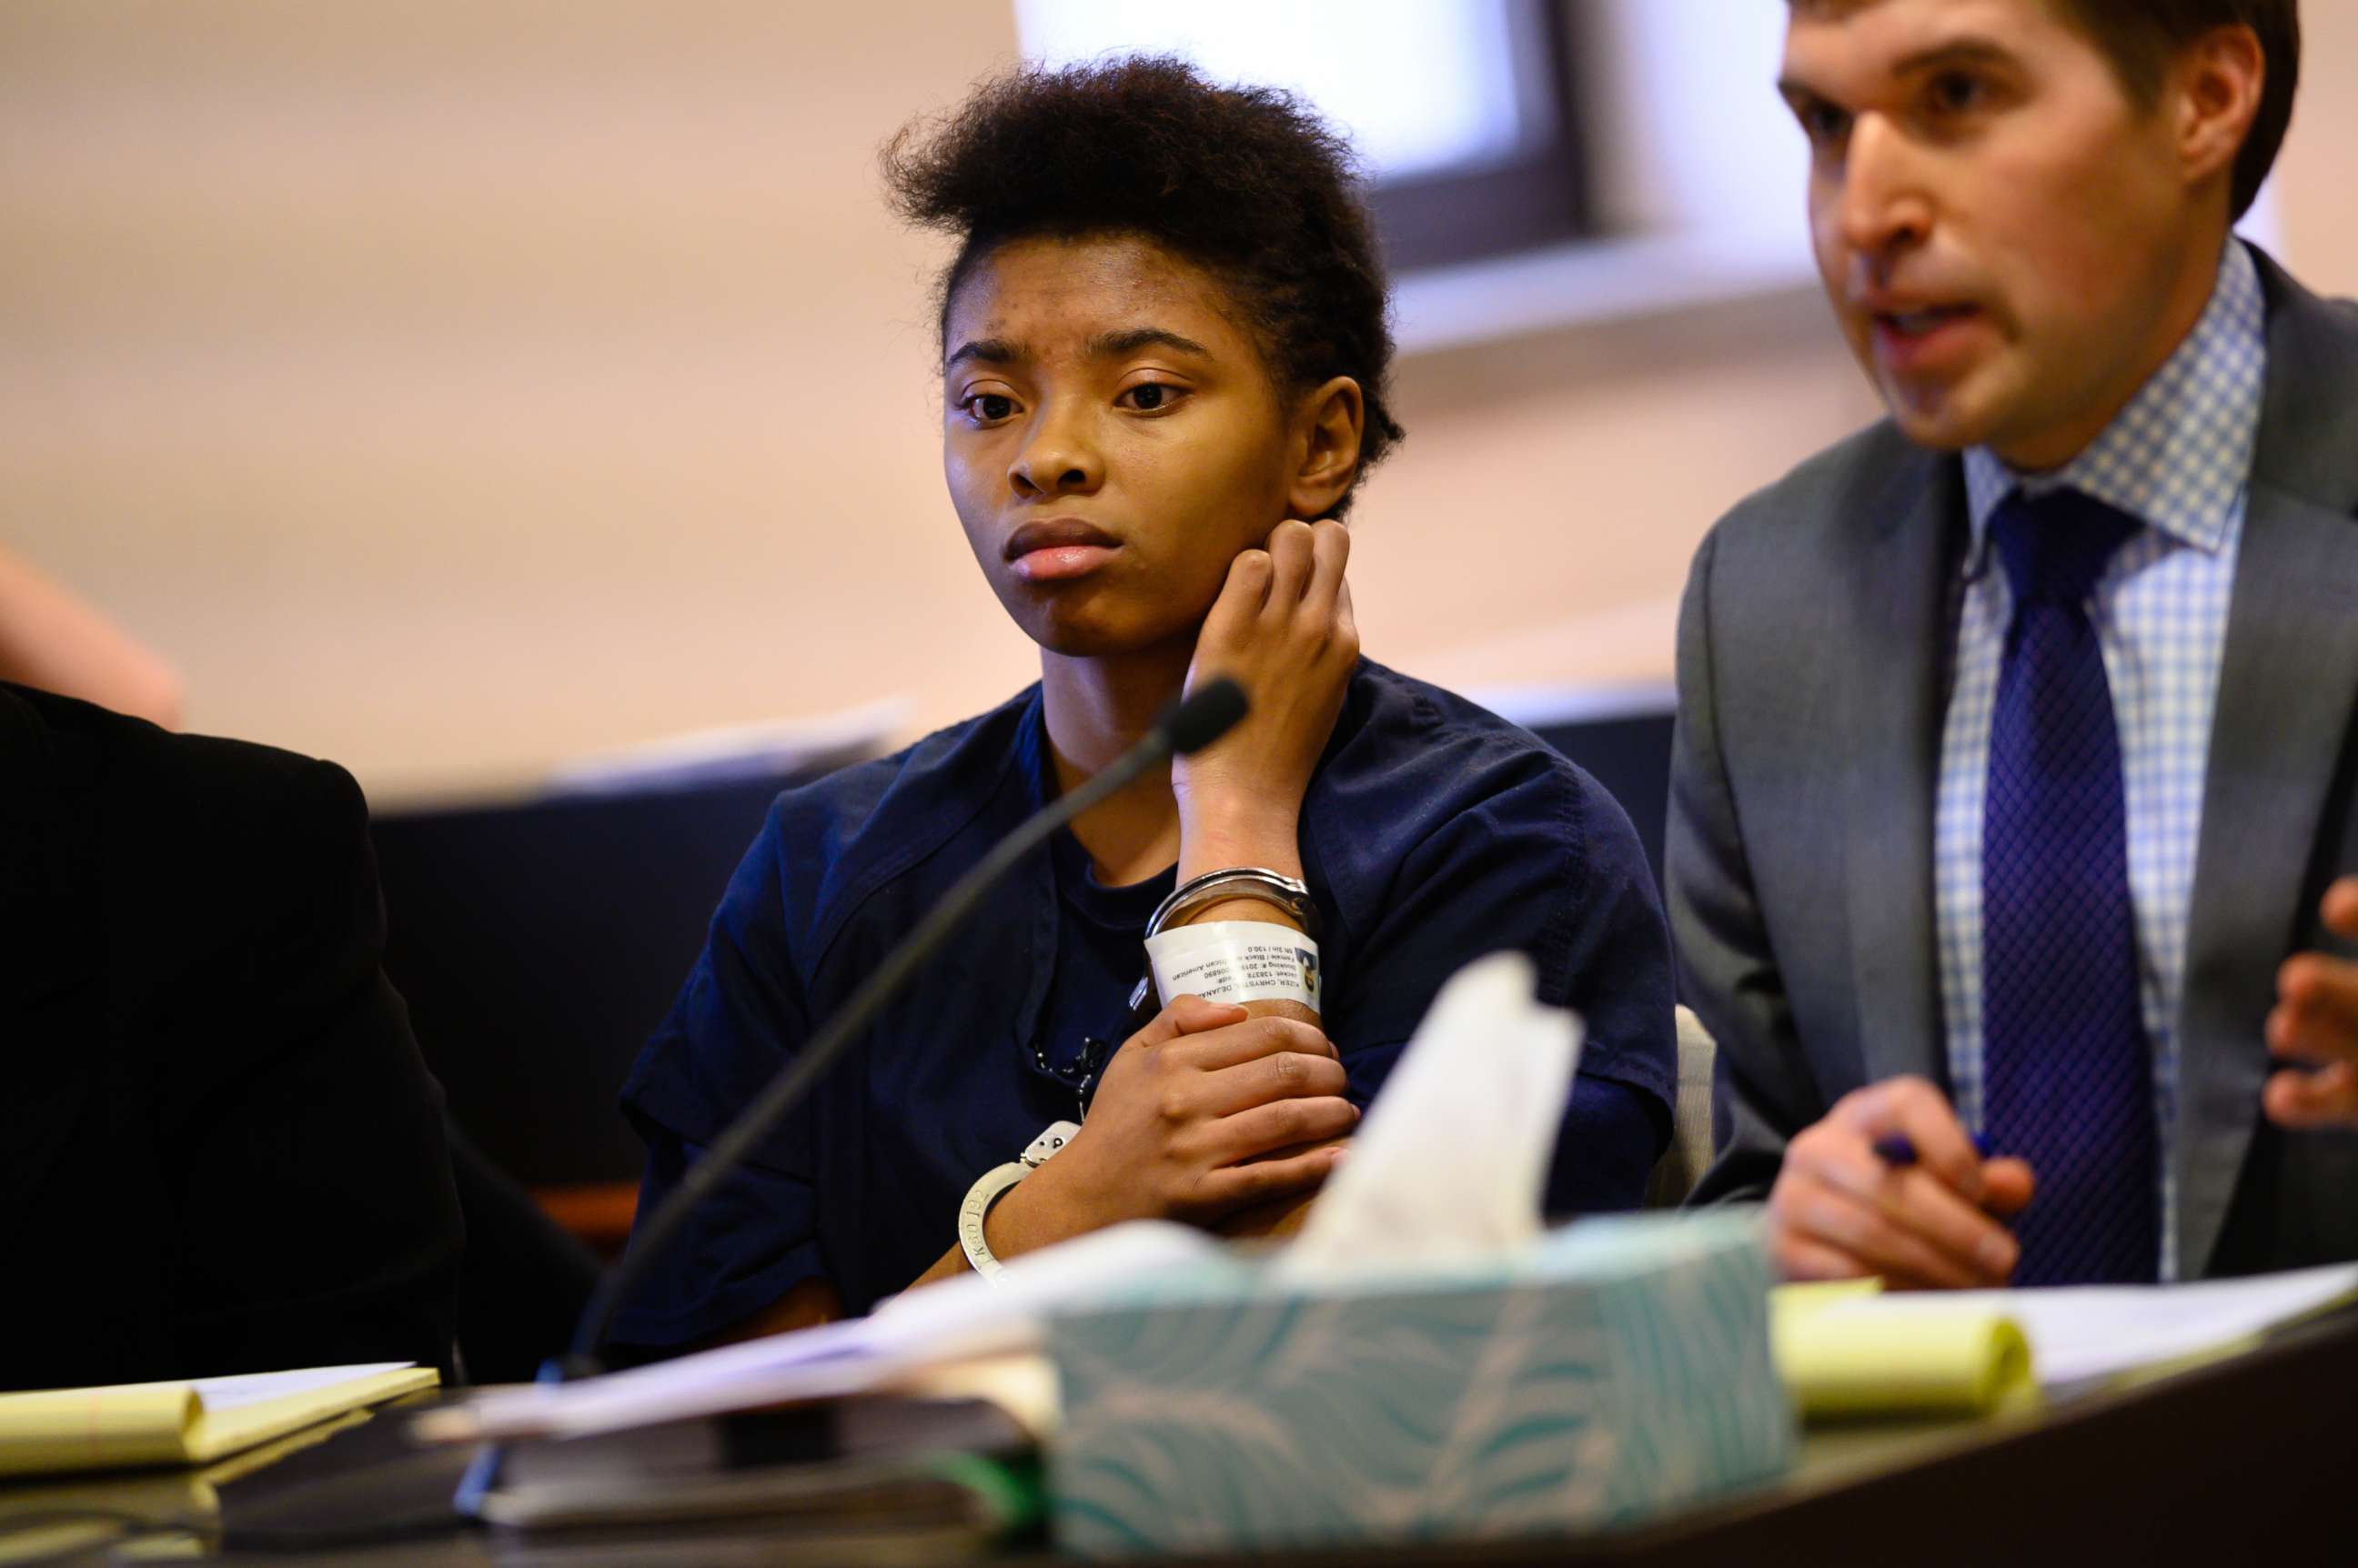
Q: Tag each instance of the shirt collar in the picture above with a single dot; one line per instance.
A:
(2176, 457)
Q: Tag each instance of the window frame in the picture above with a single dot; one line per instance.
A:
(1538, 198)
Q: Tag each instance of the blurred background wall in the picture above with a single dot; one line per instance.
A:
(454, 387)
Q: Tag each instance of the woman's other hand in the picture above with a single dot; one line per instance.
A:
(1202, 1114)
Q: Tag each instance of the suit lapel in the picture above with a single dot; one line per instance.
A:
(2287, 689)
(1894, 700)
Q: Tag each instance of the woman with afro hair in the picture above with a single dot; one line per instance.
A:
(1164, 361)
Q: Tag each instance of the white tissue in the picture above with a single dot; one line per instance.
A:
(1450, 1165)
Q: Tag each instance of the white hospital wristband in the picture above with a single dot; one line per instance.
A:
(1234, 961)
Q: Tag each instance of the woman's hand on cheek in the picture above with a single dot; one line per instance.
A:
(1282, 628)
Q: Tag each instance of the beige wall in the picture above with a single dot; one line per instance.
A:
(2313, 181)
(452, 387)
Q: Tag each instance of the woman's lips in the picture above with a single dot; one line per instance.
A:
(1055, 549)
(1057, 563)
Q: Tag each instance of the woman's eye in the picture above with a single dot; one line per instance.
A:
(989, 407)
(1151, 397)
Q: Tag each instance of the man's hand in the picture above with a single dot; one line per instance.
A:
(2315, 1022)
(1839, 1210)
(1201, 1115)
(1282, 627)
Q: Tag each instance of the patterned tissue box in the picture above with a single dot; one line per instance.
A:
(1618, 1368)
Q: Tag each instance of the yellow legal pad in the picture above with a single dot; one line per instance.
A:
(1843, 1351)
(189, 1422)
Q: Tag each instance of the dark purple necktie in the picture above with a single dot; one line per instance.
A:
(2067, 1073)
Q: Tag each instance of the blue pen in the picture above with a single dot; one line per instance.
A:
(1895, 1151)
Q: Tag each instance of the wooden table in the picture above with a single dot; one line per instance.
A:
(2250, 1458)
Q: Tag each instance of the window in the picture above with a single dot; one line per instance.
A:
(1461, 110)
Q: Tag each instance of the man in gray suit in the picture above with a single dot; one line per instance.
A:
(2013, 799)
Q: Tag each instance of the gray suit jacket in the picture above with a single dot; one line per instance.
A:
(1812, 648)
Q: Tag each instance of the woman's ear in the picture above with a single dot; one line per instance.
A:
(1325, 448)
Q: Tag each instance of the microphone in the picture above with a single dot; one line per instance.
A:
(1195, 721)
(1186, 724)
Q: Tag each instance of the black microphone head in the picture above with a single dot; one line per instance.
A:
(1204, 715)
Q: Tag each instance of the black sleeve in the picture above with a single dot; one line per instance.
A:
(738, 1020)
(1538, 858)
(298, 1129)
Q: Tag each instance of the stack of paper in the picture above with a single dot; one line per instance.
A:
(189, 1422)
(964, 1337)
(50, 1519)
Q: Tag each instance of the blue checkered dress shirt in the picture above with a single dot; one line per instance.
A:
(2177, 457)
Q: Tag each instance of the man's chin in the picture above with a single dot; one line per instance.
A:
(1937, 418)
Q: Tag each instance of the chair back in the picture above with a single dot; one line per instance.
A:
(1683, 1163)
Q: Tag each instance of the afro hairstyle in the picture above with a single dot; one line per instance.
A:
(1246, 182)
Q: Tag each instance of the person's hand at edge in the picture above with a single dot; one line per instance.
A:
(2312, 1031)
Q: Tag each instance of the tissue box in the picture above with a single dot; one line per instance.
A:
(1619, 1368)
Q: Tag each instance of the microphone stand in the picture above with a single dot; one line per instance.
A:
(1188, 724)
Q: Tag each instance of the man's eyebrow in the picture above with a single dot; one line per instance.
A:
(989, 351)
(1114, 345)
(1953, 52)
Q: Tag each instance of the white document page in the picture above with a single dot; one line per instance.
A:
(954, 1321)
(254, 1388)
(2081, 1335)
